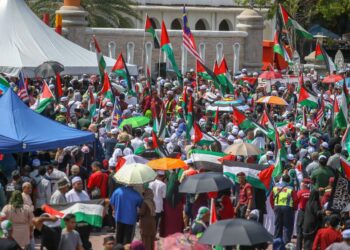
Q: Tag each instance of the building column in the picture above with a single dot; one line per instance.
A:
(252, 22)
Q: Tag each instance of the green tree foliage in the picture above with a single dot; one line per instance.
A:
(102, 13)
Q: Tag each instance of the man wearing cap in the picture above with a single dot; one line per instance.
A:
(77, 194)
(59, 196)
(245, 197)
(159, 190)
(170, 103)
(324, 149)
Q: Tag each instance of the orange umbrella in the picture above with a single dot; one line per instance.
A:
(332, 79)
(166, 164)
(272, 100)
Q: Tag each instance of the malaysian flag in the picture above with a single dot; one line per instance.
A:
(22, 88)
(116, 115)
(188, 39)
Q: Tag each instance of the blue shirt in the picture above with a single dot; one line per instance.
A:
(125, 202)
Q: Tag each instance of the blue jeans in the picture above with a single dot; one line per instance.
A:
(284, 223)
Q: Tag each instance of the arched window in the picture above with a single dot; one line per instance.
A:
(219, 51)
(176, 25)
(130, 47)
(111, 49)
(225, 25)
(202, 50)
(148, 50)
(201, 24)
(92, 46)
(155, 23)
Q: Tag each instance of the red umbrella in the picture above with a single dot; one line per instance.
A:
(270, 75)
(332, 78)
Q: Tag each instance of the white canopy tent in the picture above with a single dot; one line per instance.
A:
(26, 42)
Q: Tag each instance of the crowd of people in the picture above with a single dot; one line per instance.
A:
(295, 210)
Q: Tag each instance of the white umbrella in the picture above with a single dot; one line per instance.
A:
(134, 174)
(243, 149)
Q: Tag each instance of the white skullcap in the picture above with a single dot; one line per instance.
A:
(230, 138)
(76, 179)
(241, 133)
(36, 163)
(269, 153)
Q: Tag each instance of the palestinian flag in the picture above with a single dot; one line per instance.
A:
(216, 120)
(201, 71)
(90, 212)
(4, 84)
(277, 47)
(92, 103)
(106, 90)
(252, 171)
(321, 55)
(167, 48)
(46, 97)
(281, 156)
(59, 90)
(189, 120)
(289, 22)
(157, 147)
(265, 176)
(203, 159)
(345, 167)
(307, 99)
(100, 60)
(340, 113)
(221, 74)
(200, 138)
(150, 29)
(239, 119)
(121, 70)
(345, 143)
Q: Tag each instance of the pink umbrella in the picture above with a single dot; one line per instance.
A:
(268, 75)
(180, 241)
(332, 79)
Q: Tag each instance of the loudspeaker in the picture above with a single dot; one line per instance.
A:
(160, 70)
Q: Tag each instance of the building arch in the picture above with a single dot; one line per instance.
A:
(225, 25)
(112, 46)
(130, 48)
(176, 24)
(155, 22)
(202, 24)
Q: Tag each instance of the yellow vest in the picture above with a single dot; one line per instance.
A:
(283, 197)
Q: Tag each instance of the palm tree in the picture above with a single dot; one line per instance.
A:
(102, 13)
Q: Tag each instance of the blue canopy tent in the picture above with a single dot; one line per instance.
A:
(319, 30)
(24, 130)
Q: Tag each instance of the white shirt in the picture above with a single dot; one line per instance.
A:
(54, 177)
(159, 190)
(43, 191)
(74, 196)
(136, 143)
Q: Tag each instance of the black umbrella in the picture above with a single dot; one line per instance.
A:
(234, 232)
(204, 183)
(49, 68)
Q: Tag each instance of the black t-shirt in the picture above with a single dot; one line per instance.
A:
(9, 244)
(50, 237)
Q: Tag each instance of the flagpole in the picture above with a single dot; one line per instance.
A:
(143, 50)
(159, 59)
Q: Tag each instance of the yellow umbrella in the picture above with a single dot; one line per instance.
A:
(243, 149)
(166, 163)
(273, 100)
(135, 174)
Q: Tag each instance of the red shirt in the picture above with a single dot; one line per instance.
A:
(302, 197)
(326, 237)
(100, 180)
(245, 193)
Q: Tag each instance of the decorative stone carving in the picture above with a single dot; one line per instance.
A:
(236, 50)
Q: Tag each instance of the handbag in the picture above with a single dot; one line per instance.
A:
(96, 192)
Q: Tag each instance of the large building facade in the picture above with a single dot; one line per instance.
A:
(220, 27)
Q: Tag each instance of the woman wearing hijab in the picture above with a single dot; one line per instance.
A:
(21, 217)
(312, 219)
(201, 222)
(172, 220)
(147, 214)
